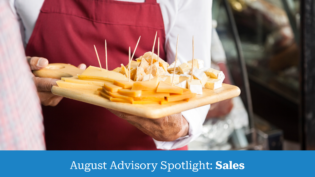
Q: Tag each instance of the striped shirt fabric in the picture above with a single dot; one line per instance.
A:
(21, 122)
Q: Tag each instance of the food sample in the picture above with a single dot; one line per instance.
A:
(215, 74)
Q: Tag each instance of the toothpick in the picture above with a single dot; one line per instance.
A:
(135, 48)
(158, 48)
(175, 61)
(99, 62)
(129, 65)
(152, 56)
(193, 57)
(106, 54)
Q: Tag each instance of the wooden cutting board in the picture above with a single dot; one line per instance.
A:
(151, 111)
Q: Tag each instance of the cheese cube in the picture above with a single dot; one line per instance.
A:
(199, 63)
(171, 77)
(195, 86)
(200, 75)
(147, 77)
(213, 83)
(215, 74)
(182, 84)
(184, 68)
(171, 67)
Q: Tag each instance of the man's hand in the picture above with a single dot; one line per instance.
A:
(44, 85)
(168, 128)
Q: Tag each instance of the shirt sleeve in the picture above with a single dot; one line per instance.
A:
(193, 18)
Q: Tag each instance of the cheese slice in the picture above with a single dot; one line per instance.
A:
(195, 86)
(213, 83)
(117, 95)
(87, 82)
(157, 99)
(215, 74)
(145, 102)
(186, 95)
(118, 69)
(124, 84)
(104, 94)
(111, 87)
(146, 85)
(97, 73)
(76, 86)
(200, 75)
(130, 93)
(167, 88)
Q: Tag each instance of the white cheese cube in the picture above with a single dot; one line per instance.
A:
(200, 75)
(182, 84)
(215, 74)
(213, 84)
(195, 86)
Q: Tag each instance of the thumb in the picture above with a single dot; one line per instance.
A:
(44, 84)
(37, 63)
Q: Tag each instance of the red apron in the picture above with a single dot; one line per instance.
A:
(65, 32)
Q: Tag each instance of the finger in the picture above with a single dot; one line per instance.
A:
(48, 99)
(37, 63)
(44, 84)
(82, 66)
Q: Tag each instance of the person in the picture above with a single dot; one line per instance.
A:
(66, 31)
(21, 126)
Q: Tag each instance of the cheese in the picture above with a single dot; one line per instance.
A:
(149, 99)
(130, 93)
(195, 86)
(146, 85)
(186, 95)
(147, 77)
(133, 65)
(215, 74)
(199, 64)
(104, 94)
(200, 75)
(139, 74)
(124, 71)
(164, 65)
(117, 95)
(171, 67)
(171, 77)
(118, 69)
(213, 83)
(184, 68)
(124, 84)
(167, 88)
(76, 86)
(156, 70)
(97, 73)
(182, 84)
(144, 64)
(87, 82)
(145, 102)
(111, 87)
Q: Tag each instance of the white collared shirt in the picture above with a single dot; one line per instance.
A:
(185, 18)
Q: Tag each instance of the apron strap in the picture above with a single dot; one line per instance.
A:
(151, 1)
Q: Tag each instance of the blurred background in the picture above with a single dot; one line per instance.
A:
(258, 44)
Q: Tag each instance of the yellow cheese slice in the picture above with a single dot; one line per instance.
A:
(87, 82)
(76, 86)
(124, 84)
(104, 94)
(146, 85)
(167, 88)
(97, 73)
(111, 87)
(145, 102)
(130, 93)
(124, 71)
(186, 95)
(117, 95)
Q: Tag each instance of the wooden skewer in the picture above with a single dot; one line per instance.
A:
(158, 48)
(129, 65)
(135, 48)
(106, 54)
(152, 56)
(99, 62)
(193, 57)
(175, 61)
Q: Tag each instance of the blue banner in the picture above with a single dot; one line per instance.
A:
(157, 163)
